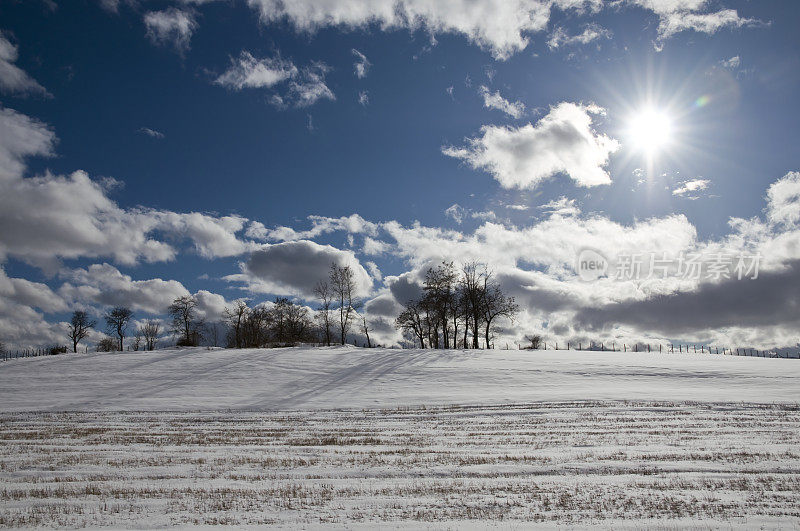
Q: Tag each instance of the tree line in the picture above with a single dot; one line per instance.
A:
(459, 308)
(245, 326)
(286, 322)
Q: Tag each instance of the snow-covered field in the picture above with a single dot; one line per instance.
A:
(351, 437)
(349, 377)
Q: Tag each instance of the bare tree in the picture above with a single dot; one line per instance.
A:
(366, 329)
(79, 327)
(495, 304)
(185, 321)
(137, 341)
(117, 321)
(472, 286)
(107, 344)
(256, 328)
(323, 292)
(410, 320)
(536, 341)
(441, 304)
(213, 330)
(343, 286)
(472, 299)
(149, 333)
(288, 322)
(237, 318)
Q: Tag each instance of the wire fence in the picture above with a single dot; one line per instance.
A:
(31, 353)
(662, 348)
(668, 348)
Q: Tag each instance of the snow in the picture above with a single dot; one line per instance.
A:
(350, 377)
(617, 465)
(356, 438)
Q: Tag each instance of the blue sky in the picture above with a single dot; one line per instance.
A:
(207, 127)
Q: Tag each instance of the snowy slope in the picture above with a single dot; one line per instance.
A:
(348, 377)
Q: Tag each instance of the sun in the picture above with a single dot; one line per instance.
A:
(650, 130)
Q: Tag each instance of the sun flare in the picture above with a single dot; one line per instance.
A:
(650, 130)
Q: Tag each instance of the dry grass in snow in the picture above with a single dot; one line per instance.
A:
(580, 463)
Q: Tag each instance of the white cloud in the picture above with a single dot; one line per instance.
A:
(677, 22)
(152, 133)
(561, 142)
(455, 212)
(31, 294)
(362, 64)
(496, 101)
(353, 224)
(561, 207)
(676, 16)
(13, 79)
(383, 304)
(783, 200)
(687, 188)
(374, 247)
(49, 217)
(171, 26)
(485, 215)
(294, 268)
(592, 32)
(374, 271)
(301, 86)
(21, 137)
(363, 98)
(212, 236)
(310, 87)
(731, 64)
(536, 264)
(502, 27)
(249, 72)
(499, 26)
(20, 324)
(458, 213)
(105, 285)
(210, 306)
